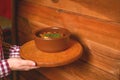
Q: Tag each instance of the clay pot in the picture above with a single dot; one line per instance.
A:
(52, 44)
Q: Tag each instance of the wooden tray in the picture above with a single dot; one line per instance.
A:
(44, 59)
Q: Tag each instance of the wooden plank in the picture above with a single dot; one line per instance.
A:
(21, 78)
(102, 57)
(78, 70)
(101, 38)
(32, 75)
(108, 9)
(89, 28)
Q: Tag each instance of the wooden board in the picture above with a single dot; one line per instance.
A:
(78, 70)
(99, 38)
(44, 59)
(82, 26)
(33, 75)
(106, 10)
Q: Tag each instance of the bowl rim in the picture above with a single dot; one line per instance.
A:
(67, 31)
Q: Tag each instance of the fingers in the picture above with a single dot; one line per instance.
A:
(20, 64)
(27, 63)
(26, 68)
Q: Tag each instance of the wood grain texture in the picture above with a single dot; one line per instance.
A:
(107, 10)
(78, 70)
(86, 29)
(39, 15)
(34, 76)
(100, 39)
(21, 77)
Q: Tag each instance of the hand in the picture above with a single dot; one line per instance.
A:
(20, 64)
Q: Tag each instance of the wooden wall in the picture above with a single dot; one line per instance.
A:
(94, 23)
(108, 9)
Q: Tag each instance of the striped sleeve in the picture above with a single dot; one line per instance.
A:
(4, 68)
(14, 51)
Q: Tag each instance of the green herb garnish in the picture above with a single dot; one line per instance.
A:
(48, 35)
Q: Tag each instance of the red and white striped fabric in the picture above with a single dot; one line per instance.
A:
(4, 66)
(14, 51)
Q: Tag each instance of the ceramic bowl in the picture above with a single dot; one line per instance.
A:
(57, 39)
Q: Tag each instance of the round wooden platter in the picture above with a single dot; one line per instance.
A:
(45, 59)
